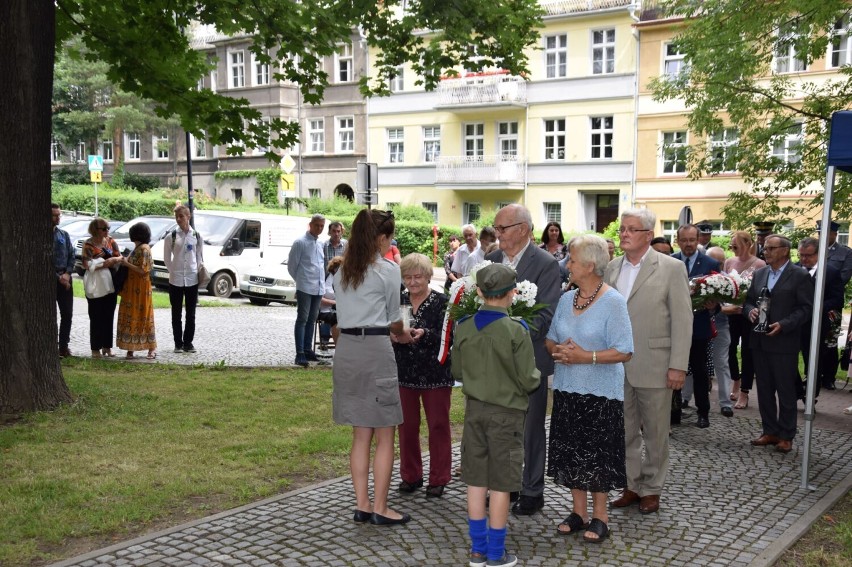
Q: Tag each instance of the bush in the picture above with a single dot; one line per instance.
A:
(71, 175)
(142, 183)
(412, 213)
(113, 203)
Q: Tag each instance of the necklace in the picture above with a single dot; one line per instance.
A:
(592, 297)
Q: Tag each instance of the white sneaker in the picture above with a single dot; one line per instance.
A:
(848, 411)
(508, 560)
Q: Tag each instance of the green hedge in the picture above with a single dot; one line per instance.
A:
(115, 204)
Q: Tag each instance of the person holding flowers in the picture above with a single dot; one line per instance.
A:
(589, 339)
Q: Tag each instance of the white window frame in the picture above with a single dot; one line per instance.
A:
(261, 150)
(784, 57)
(788, 147)
(78, 154)
(55, 151)
(344, 64)
(316, 135)
(397, 82)
(474, 139)
(603, 51)
(840, 44)
(431, 143)
(159, 155)
(432, 207)
(471, 208)
(601, 136)
(673, 146)
(674, 61)
(314, 193)
(236, 69)
(556, 56)
(552, 212)
(198, 146)
(507, 138)
(261, 72)
(106, 150)
(133, 139)
(396, 145)
(724, 143)
(214, 80)
(344, 134)
(554, 139)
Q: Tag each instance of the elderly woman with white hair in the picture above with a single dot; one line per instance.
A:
(590, 338)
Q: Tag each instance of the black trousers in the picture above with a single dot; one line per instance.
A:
(741, 329)
(65, 302)
(177, 295)
(776, 393)
(101, 321)
(700, 376)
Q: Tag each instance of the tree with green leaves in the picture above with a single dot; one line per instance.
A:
(742, 63)
(146, 46)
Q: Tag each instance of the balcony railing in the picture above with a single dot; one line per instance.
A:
(480, 169)
(476, 90)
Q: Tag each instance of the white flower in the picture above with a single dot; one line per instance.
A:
(476, 268)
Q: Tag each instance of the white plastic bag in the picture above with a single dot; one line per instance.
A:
(97, 283)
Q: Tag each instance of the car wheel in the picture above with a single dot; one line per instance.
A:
(256, 301)
(222, 285)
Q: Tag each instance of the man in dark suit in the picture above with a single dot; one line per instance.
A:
(776, 352)
(832, 307)
(698, 264)
(513, 225)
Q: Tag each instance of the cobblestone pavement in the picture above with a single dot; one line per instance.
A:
(725, 503)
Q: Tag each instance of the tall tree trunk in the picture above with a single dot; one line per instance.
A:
(30, 374)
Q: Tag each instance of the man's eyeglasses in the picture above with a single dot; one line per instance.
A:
(631, 230)
(505, 228)
(773, 247)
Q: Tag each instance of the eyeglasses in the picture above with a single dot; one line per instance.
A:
(414, 277)
(805, 254)
(103, 228)
(773, 247)
(631, 230)
(505, 228)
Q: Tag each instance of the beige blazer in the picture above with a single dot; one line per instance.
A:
(661, 315)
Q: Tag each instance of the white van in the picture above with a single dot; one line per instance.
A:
(234, 242)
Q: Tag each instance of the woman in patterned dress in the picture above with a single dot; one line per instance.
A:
(136, 312)
(422, 378)
(553, 240)
(590, 338)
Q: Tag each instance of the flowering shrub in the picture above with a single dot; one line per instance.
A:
(722, 288)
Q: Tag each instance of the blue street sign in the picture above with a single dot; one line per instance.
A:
(96, 163)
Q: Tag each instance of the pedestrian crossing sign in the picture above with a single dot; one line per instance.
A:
(96, 163)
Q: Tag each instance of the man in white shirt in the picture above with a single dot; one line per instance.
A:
(463, 253)
(306, 265)
(183, 251)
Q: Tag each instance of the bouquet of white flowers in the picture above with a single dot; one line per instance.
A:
(721, 288)
(464, 302)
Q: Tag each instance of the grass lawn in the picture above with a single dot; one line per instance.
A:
(161, 298)
(146, 447)
(828, 543)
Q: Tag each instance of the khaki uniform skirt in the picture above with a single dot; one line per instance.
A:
(366, 389)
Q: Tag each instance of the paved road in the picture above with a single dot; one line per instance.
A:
(726, 503)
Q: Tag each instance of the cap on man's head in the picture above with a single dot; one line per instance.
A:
(705, 228)
(834, 226)
(764, 228)
(496, 279)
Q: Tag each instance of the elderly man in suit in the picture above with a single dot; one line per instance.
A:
(513, 225)
(698, 264)
(776, 351)
(657, 292)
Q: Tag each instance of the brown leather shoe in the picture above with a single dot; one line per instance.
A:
(784, 446)
(64, 352)
(627, 498)
(649, 504)
(765, 440)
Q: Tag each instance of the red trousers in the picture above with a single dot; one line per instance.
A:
(436, 404)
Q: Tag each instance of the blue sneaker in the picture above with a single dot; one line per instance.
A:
(508, 560)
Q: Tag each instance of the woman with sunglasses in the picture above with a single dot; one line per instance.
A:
(366, 389)
(102, 309)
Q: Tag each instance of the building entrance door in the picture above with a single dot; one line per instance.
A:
(606, 210)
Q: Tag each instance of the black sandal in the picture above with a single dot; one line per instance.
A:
(575, 524)
(599, 528)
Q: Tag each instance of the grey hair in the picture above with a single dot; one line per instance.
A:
(520, 213)
(808, 242)
(645, 216)
(716, 250)
(590, 248)
(468, 226)
(416, 263)
(785, 242)
(317, 217)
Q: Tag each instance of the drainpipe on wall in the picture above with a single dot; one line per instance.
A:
(636, 34)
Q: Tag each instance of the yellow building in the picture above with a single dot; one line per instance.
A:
(560, 142)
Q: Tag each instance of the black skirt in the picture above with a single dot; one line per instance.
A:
(586, 449)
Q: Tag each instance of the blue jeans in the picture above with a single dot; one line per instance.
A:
(307, 308)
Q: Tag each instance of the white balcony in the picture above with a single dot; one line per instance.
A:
(478, 90)
(487, 171)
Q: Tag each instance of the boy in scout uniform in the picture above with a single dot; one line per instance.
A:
(493, 358)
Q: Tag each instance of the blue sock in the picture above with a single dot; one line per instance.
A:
(496, 543)
(478, 530)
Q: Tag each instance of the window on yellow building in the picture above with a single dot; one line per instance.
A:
(601, 128)
(674, 152)
(840, 50)
(554, 139)
(556, 55)
(603, 51)
(724, 146)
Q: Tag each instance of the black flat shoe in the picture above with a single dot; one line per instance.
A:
(435, 491)
(409, 487)
(379, 520)
(361, 517)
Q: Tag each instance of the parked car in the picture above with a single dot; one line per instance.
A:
(120, 231)
(267, 283)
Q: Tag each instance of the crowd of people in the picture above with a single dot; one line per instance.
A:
(619, 336)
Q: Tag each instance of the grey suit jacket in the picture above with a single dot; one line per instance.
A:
(661, 314)
(542, 269)
(790, 304)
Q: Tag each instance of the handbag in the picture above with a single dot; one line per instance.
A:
(203, 276)
(844, 355)
(119, 276)
(97, 283)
